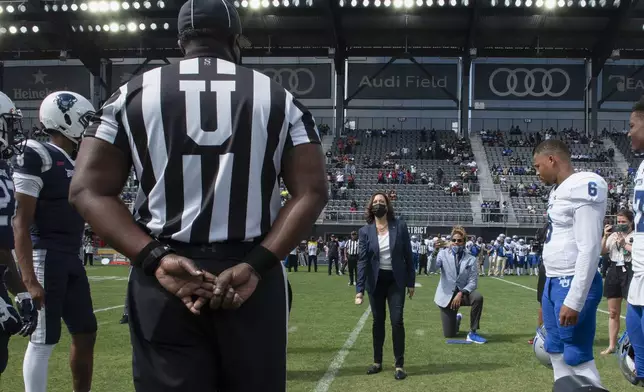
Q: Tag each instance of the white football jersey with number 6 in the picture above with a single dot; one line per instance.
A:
(636, 290)
(576, 211)
(561, 246)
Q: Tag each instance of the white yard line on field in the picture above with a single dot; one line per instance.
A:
(110, 308)
(535, 290)
(325, 382)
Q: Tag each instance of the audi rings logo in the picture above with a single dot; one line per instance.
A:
(299, 81)
(535, 82)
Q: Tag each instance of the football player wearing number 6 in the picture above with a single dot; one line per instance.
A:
(22, 321)
(635, 308)
(48, 234)
(573, 287)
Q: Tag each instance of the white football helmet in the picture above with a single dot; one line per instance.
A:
(539, 347)
(66, 112)
(11, 136)
(626, 358)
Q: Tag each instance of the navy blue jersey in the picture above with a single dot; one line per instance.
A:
(45, 171)
(7, 206)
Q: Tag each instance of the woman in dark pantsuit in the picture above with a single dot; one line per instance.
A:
(386, 272)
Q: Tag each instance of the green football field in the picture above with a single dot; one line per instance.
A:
(330, 342)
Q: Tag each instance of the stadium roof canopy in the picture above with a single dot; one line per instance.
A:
(36, 29)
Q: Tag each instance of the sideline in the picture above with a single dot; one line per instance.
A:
(325, 382)
(535, 290)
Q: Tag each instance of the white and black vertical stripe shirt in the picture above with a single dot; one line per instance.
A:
(423, 249)
(206, 137)
(352, 247)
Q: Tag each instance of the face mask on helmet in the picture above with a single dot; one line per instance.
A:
(539, 347)
(12, 138)
(626, 358)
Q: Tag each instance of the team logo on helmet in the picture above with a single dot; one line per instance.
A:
(65, 102)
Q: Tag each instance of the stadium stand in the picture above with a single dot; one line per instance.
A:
(509, 155)
(426, 173)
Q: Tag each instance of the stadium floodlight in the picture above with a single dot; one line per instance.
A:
(92, 6)
(90, 28)
(517, 3)
(23, 29)
(266, 3)
(550, 4)
(131, 27)
(35, 29)
(74, 7)
(3, 30)
(398, 3)
(115, 6)
(528, 3)
(81, 29)
(125, 5)
(244, 3)
(10, 8)
(106, 27)
(255, 4)
(153, 26)
(161, 4)
(147, 4)
(22, 8)
(103, 6)
(13, 30)
(142, 26)
(276, 3)
(166, 26)
(98, 28)
(296, 3)
(466, 3)
(561, 3)
(64, 7)
(408, 3)
(136, 5)
(114, 27)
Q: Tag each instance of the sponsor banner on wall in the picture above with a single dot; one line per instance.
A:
(624, 83)
(402, 81)
(122, 73)
(308, 81)
(534, 82)
(35, 83)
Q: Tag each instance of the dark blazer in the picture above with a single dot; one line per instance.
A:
(402, 261)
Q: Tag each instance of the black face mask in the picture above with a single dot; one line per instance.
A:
(380, 210)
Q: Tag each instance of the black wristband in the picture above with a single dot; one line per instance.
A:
(261, 259)
(465, 292)
(149, 257)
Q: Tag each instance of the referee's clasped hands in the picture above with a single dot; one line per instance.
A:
(196, 288)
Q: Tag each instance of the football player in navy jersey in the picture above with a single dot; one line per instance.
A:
(48, 236)
(23, 320)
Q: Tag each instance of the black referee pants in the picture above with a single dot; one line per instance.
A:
(242, 350)
(353, 268)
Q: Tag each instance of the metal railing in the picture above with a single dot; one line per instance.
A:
(446, 218)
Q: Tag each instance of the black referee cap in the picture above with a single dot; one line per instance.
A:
(217, 15)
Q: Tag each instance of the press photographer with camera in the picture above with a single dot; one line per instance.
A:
(617, 271)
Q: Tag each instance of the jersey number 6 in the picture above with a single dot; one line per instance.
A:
(592, 189)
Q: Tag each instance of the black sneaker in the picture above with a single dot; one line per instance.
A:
(374, 369)
(400, 374)
(125, 319)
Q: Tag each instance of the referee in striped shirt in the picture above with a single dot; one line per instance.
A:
(209, 140)
(422, 258)
(351, 249)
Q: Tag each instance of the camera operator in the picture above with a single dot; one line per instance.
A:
(617, 271)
